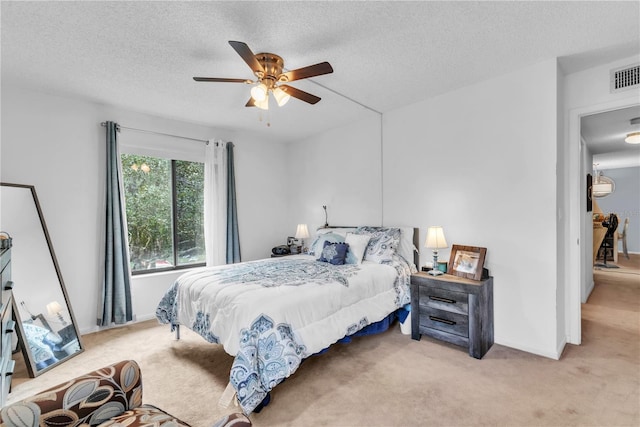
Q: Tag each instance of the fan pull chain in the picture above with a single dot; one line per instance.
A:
(268, 118)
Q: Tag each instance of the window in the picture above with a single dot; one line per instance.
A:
(165, 212)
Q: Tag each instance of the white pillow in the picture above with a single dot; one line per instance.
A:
(358, 245)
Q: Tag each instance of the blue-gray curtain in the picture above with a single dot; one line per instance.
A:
(116, 289)
(233, 238)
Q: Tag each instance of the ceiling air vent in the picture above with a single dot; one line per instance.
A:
(625, 78)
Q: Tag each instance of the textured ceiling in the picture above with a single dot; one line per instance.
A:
(142, 55)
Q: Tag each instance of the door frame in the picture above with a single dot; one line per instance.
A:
(577, 239)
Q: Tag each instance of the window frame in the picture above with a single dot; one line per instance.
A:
(170, 147)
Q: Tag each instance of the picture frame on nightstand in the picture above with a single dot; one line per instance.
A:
(467, 261)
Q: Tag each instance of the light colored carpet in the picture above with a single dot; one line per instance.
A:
(391, 380)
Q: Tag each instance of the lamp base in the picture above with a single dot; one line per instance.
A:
(435, 272)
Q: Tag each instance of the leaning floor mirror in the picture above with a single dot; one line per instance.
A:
(47, 331)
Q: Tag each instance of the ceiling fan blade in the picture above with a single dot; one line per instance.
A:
(250, 103)
(248, 56)
(300, 94)
(216, 79)
(306, 72)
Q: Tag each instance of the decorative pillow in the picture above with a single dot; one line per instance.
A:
(318, 244)
(334, 253)
(383, 244)
(357, 247)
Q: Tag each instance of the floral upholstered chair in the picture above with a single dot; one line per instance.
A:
(109, 396)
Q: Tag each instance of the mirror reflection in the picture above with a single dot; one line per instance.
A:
(47, 331)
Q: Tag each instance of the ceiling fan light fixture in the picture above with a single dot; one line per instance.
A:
(259, 92)
(633, 138)
(281, 96)
(269, 70)
(263, 104)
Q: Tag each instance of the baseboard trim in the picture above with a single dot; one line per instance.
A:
(555, 355)
(136, 319)
(587, 292)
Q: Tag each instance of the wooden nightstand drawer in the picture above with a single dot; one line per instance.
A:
(444, 299)
(445, 321)
(453, 309)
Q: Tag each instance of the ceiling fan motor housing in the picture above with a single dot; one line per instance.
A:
(272, 65)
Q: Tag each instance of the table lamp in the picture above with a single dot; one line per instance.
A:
(55, 309)
(435, 241)
(302, 232)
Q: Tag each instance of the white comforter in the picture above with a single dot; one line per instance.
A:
(271, 314)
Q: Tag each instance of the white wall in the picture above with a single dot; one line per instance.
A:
(340, 169)
(57, 145)
(480, 161)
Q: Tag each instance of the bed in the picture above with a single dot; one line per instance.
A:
(273, 313)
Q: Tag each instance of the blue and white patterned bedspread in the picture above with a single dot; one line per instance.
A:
(271, 314)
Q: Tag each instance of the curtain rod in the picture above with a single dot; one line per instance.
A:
(103, 124)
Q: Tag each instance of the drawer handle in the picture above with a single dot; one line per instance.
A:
(10, 368)
(8, 286)
(441, 320)
(11, 326)
(447, 300)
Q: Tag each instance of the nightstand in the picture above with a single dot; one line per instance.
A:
(453, 309)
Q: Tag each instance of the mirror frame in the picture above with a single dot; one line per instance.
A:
(26, 352)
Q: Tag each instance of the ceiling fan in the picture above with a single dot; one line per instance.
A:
(268, 69)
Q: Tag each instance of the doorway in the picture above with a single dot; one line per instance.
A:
(579, 256)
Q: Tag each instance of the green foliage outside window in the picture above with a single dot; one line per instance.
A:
(149, 184)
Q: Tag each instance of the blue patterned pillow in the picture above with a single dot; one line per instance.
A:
(334, 253)
(318, 244)
(383, 244)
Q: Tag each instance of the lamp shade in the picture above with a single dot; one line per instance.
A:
(53, 308)
(302, 232)
(259, 92)
(262, 104)
(281, 96)
(435, 238)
